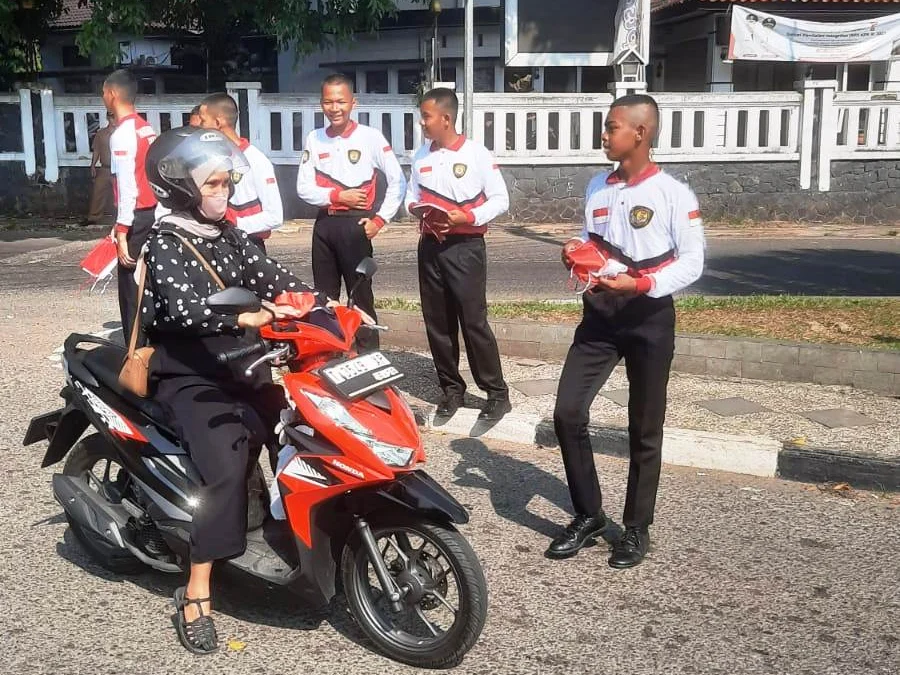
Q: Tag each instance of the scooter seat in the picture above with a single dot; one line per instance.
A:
(104, 362)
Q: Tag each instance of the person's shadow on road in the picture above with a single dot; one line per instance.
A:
(511, 484)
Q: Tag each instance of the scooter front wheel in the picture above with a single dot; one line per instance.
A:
(443, 603)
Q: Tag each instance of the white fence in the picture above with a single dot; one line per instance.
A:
(559, 128)
(813, 127)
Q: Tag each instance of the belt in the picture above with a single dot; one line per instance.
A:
(348, 213)
(452, 237)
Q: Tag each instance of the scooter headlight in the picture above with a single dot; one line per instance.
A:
(392, 455)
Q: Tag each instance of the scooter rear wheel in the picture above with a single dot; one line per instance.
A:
(445, 594)
(93, 461)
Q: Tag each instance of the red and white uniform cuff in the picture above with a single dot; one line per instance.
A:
(644, 284)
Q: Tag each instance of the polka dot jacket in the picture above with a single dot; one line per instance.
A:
(178, 284)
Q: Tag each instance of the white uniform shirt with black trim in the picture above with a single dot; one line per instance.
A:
(332, 163)
(652, 224)
(463, 176)
(256, 203)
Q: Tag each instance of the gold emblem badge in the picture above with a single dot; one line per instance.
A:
(640, 216)
(459, 170)
(236, 177)
(353, 156)
(305, 158)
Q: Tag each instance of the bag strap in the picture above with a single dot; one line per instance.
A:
(142, 280)
(199, 256)
(136, 326)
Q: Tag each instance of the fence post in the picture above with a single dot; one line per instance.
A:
(807, 135)
(827, 133)
(250, 113)
(48, 117)
(27, 124)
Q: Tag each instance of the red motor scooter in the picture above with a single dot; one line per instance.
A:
(359, 511)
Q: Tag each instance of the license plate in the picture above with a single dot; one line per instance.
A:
(362, 375)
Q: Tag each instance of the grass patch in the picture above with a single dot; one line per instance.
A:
(861, 322)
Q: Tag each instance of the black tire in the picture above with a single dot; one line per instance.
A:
(82, 458)
(449, 649)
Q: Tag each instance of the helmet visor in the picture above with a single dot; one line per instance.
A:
(201, 155)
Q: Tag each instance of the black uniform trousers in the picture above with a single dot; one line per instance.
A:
(223, 424)
(452, 287)
(339, 245)
(642, 331)
(137, 236)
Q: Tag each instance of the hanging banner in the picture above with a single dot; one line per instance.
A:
(630, 40)
(757, 36)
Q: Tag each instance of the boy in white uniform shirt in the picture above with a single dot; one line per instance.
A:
(651, 223)
(337, 174)
(456, 189)
(255, 206)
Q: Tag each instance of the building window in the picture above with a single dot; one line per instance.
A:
(484, 79)
(408, 80)
(822, 71)
(858, 76)
(481, 39)
(71, 58)
(560, 80)
(447, 74)
(376, 82)
(518, 80)
(597, 79)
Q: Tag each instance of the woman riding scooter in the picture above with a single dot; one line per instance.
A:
(221, 416)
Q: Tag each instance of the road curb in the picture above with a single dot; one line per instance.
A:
(749, 455)
(872, 370)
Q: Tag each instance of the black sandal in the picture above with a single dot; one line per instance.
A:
(198, 636)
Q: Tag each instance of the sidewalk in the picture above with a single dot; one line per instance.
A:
(800, 431)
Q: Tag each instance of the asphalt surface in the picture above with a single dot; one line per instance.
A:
(746, 575)
(524, 264)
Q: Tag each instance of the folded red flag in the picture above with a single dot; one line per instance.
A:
(101, 261)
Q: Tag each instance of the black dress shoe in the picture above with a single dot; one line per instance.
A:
(630, 549)
(448, 407)
(580, 532)
(494, 410)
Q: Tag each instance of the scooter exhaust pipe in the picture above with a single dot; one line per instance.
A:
(108, 521)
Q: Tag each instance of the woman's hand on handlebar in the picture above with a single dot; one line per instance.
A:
(267, 314)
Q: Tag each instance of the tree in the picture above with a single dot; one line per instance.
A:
(303, 24)
(23, 24)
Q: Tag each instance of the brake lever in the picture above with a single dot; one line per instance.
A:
(273, 356)
(376, 326)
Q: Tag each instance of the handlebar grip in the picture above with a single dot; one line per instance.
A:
(240, 353)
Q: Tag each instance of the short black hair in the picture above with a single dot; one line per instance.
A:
(195, 110)
(632, 100)
(336, 79)
(445, 99)
(222, 104)
(123, 81)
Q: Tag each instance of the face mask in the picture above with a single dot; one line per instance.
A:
(214, 207)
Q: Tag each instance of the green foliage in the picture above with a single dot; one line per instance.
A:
(295, 23)
(303, 24)
(23, 23)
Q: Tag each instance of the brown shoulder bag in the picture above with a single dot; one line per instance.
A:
(135, 373)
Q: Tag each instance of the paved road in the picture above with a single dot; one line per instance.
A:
(747, 575)
(524, 263)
